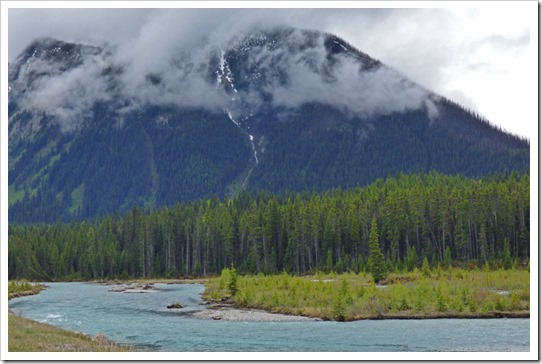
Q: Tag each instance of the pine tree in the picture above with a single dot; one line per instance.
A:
(411, 260)
(506, 259)
(341, 302)
(329, 261)
(426, 271)
(232, 283)
(377, 264)
(448, 257)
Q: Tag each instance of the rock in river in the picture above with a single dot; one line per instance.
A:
(175, 305)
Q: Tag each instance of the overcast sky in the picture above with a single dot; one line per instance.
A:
(482, 58)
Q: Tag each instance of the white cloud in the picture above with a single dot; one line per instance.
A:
(378, 91)
(69, 95)
(479, 57)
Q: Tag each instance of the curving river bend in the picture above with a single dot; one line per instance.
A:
(144, 320)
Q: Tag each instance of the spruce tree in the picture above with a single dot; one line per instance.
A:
(447, 257)
(426, 271)
(506, 259)
(341, 301)
(411, 259)
(232, 282)
(377, 264)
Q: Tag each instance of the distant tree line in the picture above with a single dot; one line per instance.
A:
(433, 217)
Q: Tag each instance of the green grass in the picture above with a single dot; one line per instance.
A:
(30, 336)
(23, 288)
(444, 293)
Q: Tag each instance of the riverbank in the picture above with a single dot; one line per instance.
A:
(232, 312)
(23, 288)
(26, 335)
(450, 293)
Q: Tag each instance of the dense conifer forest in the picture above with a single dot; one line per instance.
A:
(433, 218)
(105, 169)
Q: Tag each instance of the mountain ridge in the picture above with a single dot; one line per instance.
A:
(283, 109)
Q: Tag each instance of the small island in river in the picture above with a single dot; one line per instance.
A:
(433, 293)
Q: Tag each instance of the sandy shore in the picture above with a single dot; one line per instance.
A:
(248, 315)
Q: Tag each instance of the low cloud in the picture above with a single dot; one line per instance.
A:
(311, 74)
(479, 57)
(173, 55)
(67, 96)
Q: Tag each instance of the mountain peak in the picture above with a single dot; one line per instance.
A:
(279, 67)
(272, 109)
(52, 51)
(41, 65)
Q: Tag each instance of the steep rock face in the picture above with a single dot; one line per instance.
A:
(92, 133)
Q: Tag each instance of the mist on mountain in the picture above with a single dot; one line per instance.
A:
(95, 129)
(290, 68)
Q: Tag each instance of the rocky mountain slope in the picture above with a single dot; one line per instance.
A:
(93, 132)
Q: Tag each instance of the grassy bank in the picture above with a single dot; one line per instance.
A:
(30, 336)
(25, 335)
(23, 288)
(439, 293)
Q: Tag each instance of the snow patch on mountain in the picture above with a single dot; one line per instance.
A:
(224, 74)
(284, 68)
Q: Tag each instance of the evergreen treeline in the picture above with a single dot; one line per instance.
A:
(434, 217)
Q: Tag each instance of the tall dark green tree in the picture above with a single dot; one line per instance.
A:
(232, 282)
(377, 263)
(506, 258)
(448, 257)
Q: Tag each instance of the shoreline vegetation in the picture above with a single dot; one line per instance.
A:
(437, 293)
(23, 288)
(26, 335)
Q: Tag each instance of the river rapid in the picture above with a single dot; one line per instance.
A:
(143, 320)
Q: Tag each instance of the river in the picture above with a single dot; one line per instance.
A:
(144, 320)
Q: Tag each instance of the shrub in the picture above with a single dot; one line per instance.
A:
(342, 301)
(426, 271)
(229, 276)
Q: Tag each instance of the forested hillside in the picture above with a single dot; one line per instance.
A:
(107, 168)
(446, 219)
(282, 109)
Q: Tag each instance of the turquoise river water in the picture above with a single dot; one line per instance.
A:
(143, 320)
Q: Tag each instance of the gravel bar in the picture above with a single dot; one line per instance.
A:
(242, 315)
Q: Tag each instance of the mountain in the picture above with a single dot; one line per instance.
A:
(92, 131)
